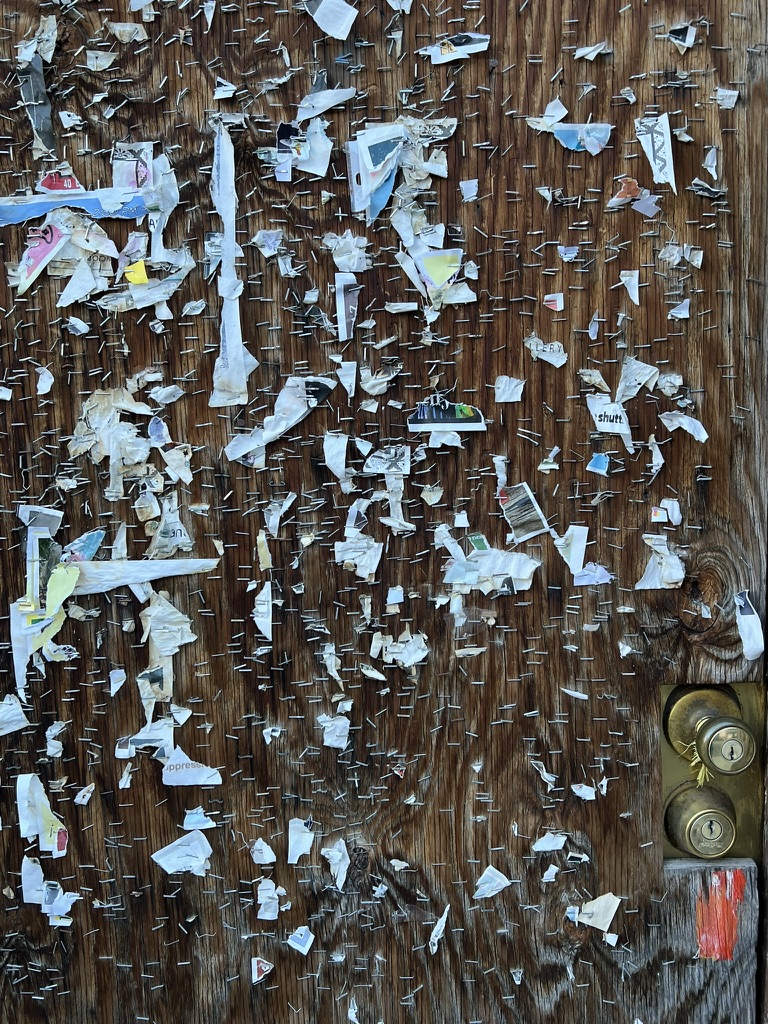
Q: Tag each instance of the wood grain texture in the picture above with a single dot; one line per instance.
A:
(164, 949)
(697, 987)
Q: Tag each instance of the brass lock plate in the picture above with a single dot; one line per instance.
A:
(745, 789)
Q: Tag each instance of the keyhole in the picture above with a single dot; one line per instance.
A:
(732, 750)
(711, 830)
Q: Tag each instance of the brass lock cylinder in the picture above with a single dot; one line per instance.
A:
(707, 722)
(701, 822)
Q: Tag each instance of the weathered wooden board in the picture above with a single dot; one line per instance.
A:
(711, 911)
(464, 730)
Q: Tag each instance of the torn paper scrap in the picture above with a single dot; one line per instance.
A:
(491, 882)
(300, 839)
(546, 776)
(599, 913)
(349, 251)
(672, 507)
(665, 570)
(522, 512)
(631, 281)
(12, 717)
(635, 375)
(361, 553)
(575, 693)
(610, 418)
(322, 99)
(590, 52)
(591, 137)
(35, 99)
(165, 627)
(181, 770)
(726, 98)
(125, 204)
(189, 853)
(438, 931)
(436, 413)
(32, 880)
(583, 792)
(549, 842)
(654, 136)
(197, 818)
(296, 400)
(338, 861)
(301, 940)
(83, 796)
(43, 42)
(260, 968)
(54, 747)
(683, 36)
(491, 570)
(458, 47)
(678, 420)
(262, 611)
(234, 364)
(49, 896)
(750, 629)
(377, 382)
(334, 17)
(37, 515)
(508, 389)
(268, 898)
(573, 546)
(335, 730)
(682, 311)
(262, 852)
(101, 576)
(36, 819)
(550, 351)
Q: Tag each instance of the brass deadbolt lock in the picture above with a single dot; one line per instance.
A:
(707, 721)
(701, 821)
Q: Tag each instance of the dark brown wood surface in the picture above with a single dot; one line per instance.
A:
(166, 949)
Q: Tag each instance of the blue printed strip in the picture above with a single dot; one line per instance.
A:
(17, 209)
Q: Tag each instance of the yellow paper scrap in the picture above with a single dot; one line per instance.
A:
(136, 273)
(61, 583)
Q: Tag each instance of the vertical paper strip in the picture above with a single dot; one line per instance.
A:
(717, 915)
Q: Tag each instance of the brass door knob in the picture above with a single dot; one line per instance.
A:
(725, 745)
(701, 821)
(707, 722)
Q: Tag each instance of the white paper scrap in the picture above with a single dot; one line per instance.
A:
(12, 717)
(301, 940)
(678, 420)
(300, 839)
(36, 819)
(181, 770)
(338, 861)
(508, 389)
(262, 852)
(549, 842)
(599, 913)
(335, 730)
(260, 968)
(654, 136)
(197, 818)
(491, 882)
(749, 626)
(334, 17)
(665, 570)
(189, 853)
(438, 931)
